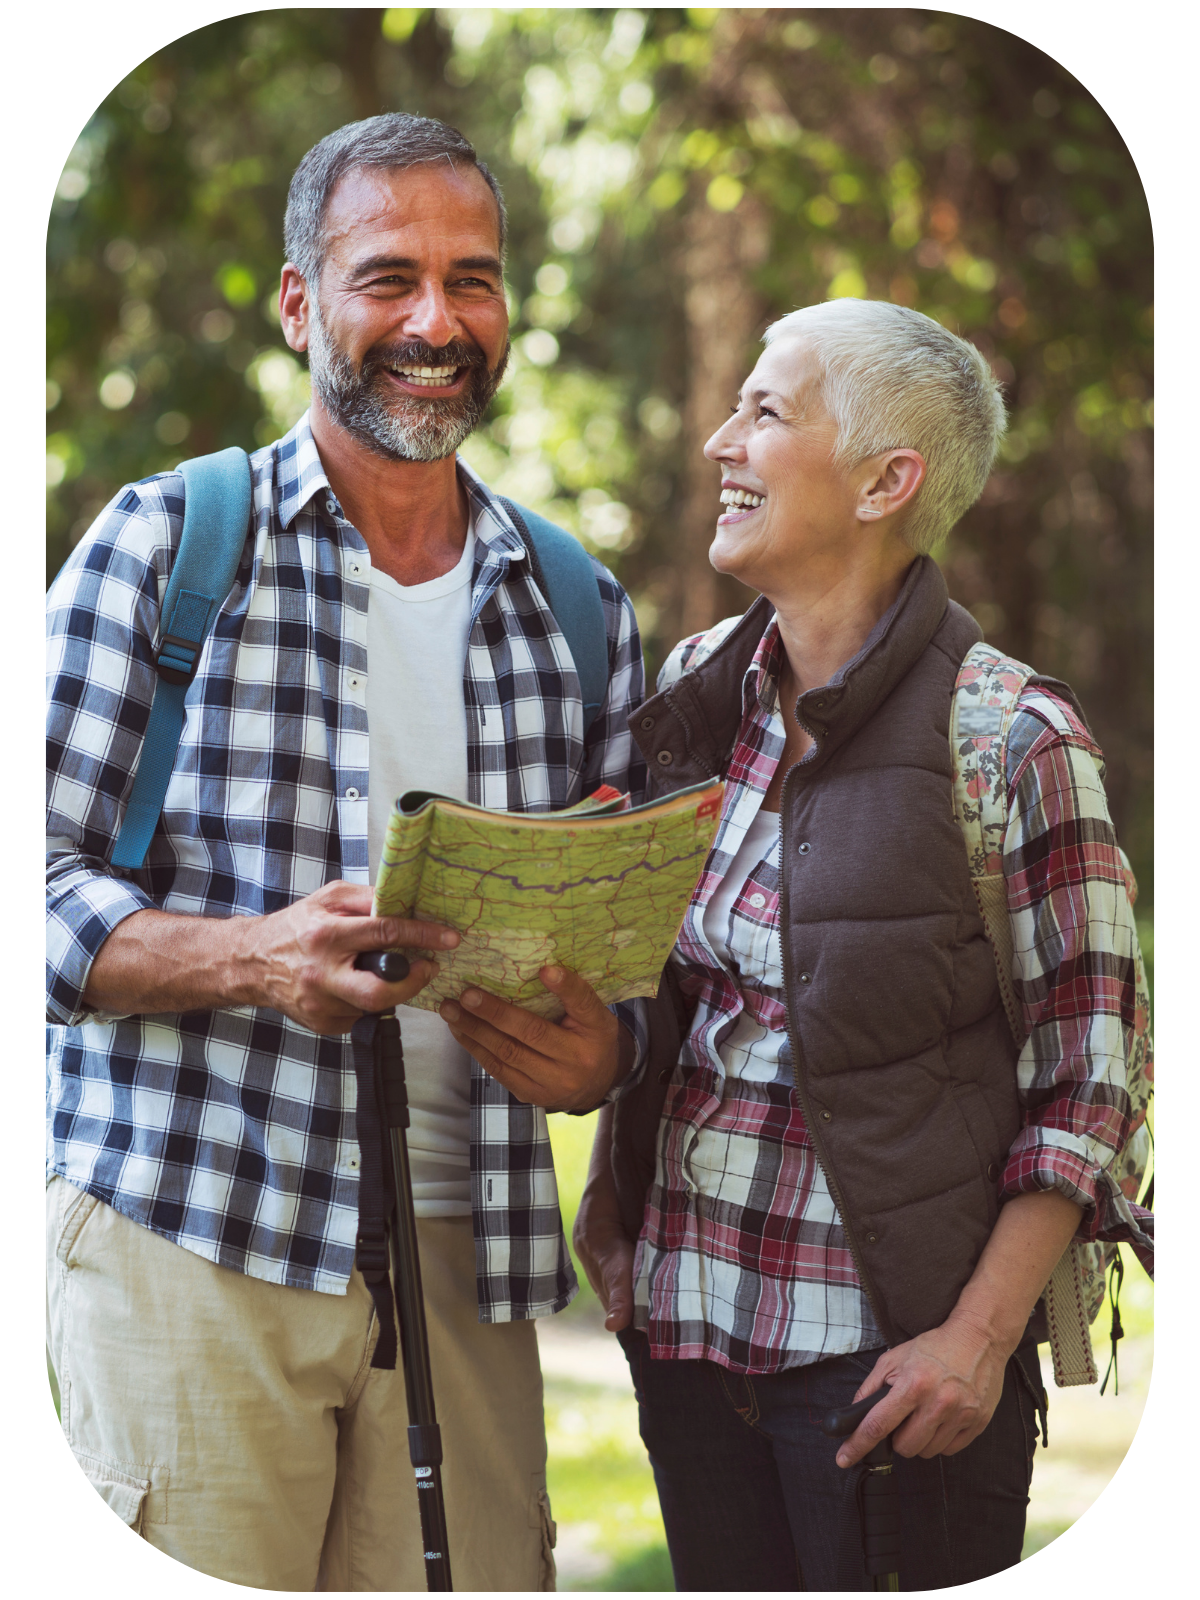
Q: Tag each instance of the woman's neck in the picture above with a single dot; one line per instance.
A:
(825, 621)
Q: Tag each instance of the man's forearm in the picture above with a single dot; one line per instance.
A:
(156, 961)
(299, 961)
(1030, 1235)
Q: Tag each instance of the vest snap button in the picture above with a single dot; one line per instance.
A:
(872, 1238)
(647, 722)
(664, 758)
(993, 1171)
(806, 977)
(827, 1116)
(804, 848)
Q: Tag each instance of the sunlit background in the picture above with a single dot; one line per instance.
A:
(675, 180)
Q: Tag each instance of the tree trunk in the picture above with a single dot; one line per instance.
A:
(724, 319)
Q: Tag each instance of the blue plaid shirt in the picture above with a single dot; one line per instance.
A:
(232, 1132)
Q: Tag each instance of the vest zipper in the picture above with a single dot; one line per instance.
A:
(883, 1321)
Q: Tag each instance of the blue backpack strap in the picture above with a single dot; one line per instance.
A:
(216, 518)
(563, 571)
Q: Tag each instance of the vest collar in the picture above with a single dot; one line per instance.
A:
(694, 741)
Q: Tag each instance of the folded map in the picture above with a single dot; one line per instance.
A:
(601, 888)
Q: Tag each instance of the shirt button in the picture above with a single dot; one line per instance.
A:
(352, 794)
(806, 977)
(758, 900)
(354, 682)
(355, 569)
(353, 1163)
(803, 849)
(664, 758)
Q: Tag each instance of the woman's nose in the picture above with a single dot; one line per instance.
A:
(725, 444)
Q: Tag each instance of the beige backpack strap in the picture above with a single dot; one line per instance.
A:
(986, 696)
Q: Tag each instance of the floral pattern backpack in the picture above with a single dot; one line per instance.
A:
(985, 700)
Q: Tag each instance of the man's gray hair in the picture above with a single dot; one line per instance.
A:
(390, 142)
(894, 379)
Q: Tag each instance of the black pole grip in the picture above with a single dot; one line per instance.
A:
(390, 965)
(841, 1424)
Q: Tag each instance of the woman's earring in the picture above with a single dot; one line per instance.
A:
(868, 511)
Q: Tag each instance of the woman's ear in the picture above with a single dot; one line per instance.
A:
(894, 479)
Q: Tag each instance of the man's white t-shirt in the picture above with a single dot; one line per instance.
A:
(416, 648)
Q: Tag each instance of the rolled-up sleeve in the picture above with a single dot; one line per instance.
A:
(1078, 978)
(102, 616)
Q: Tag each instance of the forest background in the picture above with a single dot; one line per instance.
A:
(675, 180)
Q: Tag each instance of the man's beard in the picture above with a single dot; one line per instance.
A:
(401, 427)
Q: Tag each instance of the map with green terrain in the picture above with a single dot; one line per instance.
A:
(599, 890)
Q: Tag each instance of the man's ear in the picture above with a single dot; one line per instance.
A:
(293, 307)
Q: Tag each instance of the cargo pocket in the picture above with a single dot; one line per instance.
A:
(120, 1489)
(549, 1572)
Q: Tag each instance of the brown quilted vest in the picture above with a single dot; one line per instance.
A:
(903, 1059)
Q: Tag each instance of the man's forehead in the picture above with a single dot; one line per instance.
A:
(435, 197)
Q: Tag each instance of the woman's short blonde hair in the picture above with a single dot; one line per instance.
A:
(894, 379)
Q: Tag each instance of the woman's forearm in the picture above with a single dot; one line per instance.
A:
(1030, 1235)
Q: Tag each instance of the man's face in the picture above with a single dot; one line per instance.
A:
(410, 337)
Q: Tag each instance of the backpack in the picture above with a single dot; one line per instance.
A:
(986, 694)
(215, 521)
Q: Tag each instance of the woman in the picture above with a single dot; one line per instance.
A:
(846, 1112)
(855, 1179)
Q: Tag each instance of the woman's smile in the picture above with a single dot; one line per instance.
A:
(742, 502)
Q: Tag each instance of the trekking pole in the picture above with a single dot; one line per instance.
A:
(879, 1503)
(424, 1435)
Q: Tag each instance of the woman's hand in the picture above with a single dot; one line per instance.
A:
(567, 1066)
(604, 1248)
(946, 1384)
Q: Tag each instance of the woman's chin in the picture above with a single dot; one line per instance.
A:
(730, 556)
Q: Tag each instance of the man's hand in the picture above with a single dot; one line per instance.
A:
(299, 961)
(567, 1066)
(604, 1248)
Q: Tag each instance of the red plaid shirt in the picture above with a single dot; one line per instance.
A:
(743, 1258)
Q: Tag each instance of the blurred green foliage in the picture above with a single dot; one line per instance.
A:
(915, 155)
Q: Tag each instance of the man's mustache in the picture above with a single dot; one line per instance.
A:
(412, 353)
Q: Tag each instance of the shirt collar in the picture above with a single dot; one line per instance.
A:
(300, 476)
(760, 681)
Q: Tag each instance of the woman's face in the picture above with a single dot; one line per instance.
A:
(777, 449)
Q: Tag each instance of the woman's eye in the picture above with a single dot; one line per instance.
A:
(765, 411)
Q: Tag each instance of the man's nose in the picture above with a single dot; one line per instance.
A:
(428, 316)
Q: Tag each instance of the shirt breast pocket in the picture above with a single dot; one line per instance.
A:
(753, 935)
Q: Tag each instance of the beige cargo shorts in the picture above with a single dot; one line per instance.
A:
(238, 1425)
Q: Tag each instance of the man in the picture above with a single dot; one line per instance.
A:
(214, 1144)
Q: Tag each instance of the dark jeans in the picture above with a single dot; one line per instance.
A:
(752, 1498)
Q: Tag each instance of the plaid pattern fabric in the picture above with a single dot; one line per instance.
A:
(743, 1259)
(233, 1132)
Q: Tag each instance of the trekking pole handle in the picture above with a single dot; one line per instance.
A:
(840, 1424)
(390, 965)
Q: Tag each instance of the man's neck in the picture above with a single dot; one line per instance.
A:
(413, 514)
